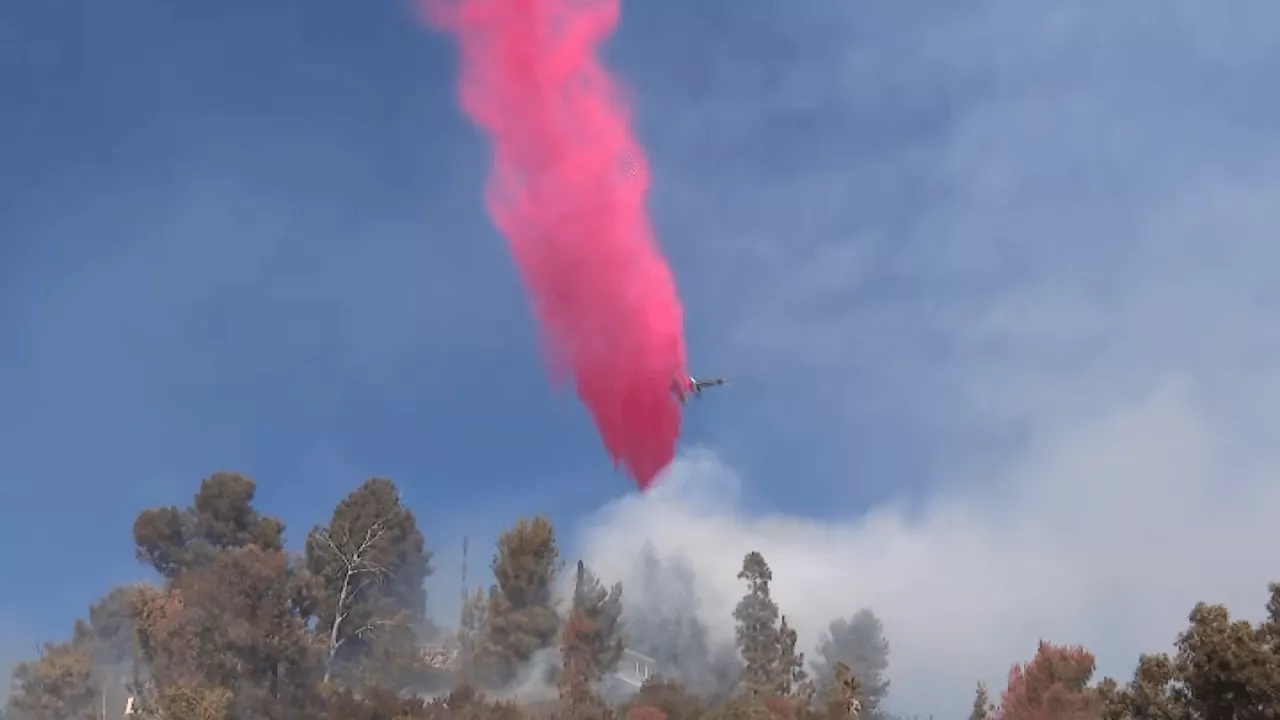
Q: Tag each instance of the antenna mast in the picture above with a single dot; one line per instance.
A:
(465, 594)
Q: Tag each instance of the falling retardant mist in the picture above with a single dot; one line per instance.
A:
(567, 188)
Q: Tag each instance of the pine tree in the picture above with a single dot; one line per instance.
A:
(590, 643)
(981, 703)
(221, 516)
(602, 609)
(757, 634)
(790, 667)
(522, 616)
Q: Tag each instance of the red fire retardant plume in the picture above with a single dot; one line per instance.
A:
(567, 188)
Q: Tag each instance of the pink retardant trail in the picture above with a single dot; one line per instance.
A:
(567, 188)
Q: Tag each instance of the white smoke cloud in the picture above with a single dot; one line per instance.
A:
(1033, 248)
(1104, 531)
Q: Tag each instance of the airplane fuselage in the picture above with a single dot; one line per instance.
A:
(694, 386)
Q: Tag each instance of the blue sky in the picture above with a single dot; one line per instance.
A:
(995, 283)
(250, 237)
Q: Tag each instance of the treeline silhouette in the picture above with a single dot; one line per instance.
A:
(240, 629)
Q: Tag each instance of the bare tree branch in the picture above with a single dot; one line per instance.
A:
(359, 572)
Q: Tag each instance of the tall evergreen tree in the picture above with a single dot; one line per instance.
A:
(602, 609)
(981, 703)
(758, 636)
(522, 615)
(590, 644)
(790, 673)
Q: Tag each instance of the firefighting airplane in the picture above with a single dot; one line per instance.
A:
(693, 386)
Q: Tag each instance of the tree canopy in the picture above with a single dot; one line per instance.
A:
(238, 627)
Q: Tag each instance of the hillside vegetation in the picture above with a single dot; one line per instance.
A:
(237, 629)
